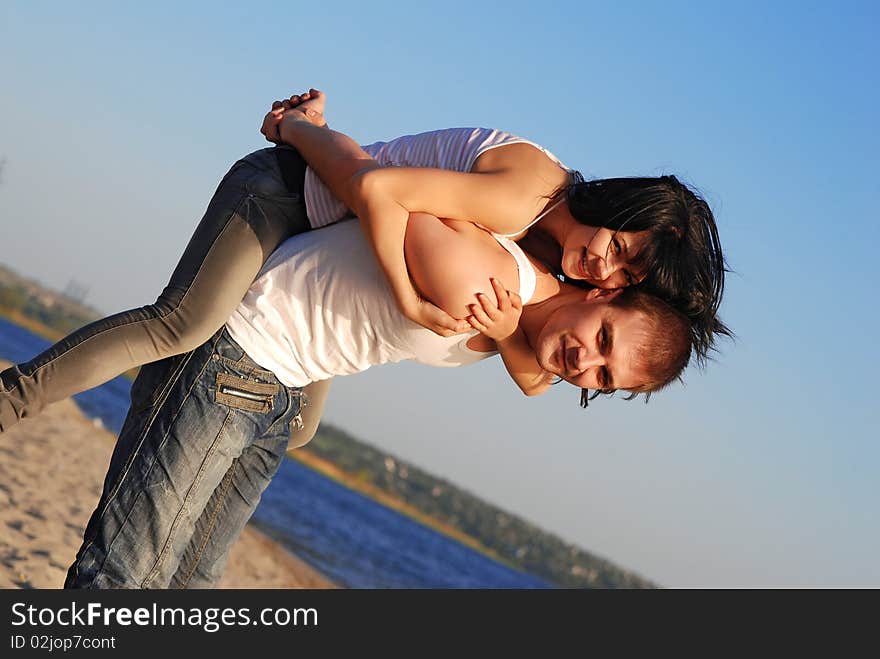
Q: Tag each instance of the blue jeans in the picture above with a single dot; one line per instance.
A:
(205, 433)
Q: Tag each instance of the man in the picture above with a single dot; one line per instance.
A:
(208, 429)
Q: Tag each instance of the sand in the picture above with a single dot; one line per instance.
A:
(51, 471)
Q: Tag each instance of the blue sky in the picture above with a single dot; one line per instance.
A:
(119, 120)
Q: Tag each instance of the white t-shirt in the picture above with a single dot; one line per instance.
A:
(322, 307)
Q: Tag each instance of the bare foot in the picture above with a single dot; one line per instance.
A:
(307, 107)
(313, 99)
(311, 104)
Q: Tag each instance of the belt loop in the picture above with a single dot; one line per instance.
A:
(296, 423)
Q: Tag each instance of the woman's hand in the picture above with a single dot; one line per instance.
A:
(432, 317)
(496, 320)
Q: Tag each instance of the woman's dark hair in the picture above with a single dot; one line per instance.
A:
(683, 259)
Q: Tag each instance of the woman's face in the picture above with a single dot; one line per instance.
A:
(603, 257)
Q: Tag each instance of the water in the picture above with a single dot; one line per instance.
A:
(109, 402)
(350, 538)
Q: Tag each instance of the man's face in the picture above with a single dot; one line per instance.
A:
(591, 343)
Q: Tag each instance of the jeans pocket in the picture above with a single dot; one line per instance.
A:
(244, 394)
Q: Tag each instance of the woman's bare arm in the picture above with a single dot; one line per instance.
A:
(502, 199)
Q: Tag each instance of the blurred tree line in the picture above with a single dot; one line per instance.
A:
(517, 541)
(25, 298)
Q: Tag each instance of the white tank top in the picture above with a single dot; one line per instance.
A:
(322, 307)
(454, 149)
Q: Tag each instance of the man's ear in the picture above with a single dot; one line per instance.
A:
(602, 294)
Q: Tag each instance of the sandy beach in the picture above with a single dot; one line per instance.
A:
(51, 471)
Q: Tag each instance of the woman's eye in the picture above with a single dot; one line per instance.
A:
(630, 280)
(616, 244)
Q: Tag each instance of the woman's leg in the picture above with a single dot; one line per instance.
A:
(252, 212)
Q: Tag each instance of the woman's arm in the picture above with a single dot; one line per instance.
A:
(384, 198)
(337, 159)
(503, 199)
(334, 157)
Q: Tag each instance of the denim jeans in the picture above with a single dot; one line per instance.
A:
(205, 433)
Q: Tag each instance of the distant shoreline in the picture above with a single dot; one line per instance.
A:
(35, 326)
(352, 482)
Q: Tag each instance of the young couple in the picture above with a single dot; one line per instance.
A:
(211, 414)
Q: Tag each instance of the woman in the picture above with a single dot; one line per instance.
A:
(259, 203)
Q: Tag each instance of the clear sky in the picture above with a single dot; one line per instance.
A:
(118, 120)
